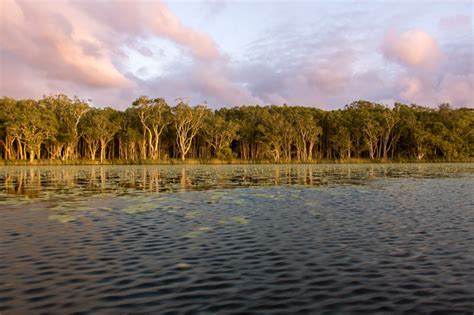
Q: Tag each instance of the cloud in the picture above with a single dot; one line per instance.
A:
(455, 22)
(306, 66)
(215, 7)
(333, 74)
(430, 74)
(42, 38)
(411, 88)
(212, 82)
(166, 24)
(116, 52)
(77, 47)
(40, 49)
(413, 48)
(457, 89)
(453, 89)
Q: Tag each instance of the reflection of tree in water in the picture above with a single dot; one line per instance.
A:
(26, 182)
(30, 182)
(76, 180)
(185, 181)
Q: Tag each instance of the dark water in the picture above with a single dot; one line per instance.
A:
(237, 239)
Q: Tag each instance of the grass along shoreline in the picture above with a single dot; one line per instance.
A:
(47, 162)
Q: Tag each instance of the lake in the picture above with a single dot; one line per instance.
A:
(268, 239)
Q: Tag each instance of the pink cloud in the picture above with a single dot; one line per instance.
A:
(429, 76)
(455, 22)
(211, 80)
(457, 89)
(414, 48)
(40, 37)
(412, 88)
(453, 89)
(145, 18)
(73, 45)
(168, 25)
(81, 47)
(332, 75)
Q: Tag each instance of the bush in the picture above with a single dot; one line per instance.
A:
(225, 154)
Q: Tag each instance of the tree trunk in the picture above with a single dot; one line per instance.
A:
(310, 151)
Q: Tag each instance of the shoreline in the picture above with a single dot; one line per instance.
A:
(220, 162)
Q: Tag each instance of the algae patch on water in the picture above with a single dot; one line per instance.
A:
(264, 196)
(235, 219)
(63, 218)
(183, 266)
(104, 209)
(196, 233)
(240, 220)
(67, 208)
(193, 214)
(140, 208)
(217, 197)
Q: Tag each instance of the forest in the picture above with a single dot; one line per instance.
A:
(58, 128)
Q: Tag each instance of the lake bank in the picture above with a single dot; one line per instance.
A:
(45, 162)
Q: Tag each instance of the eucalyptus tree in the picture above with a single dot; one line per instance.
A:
(187, 123)
(58, 127)
(288, 130)
(341, 137)
(462, 126)
(90, 133)
(155, 116)
(308, 131)
(128, 136)
(251, 137)
(454, 131)
(9, 131)
(390, 133)
(413, 130)
(369, 116)
(98, 128)
(219, 133)
(68, 113)
(272, 128)
(36, 124)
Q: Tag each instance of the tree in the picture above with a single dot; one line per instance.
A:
(68, 114)
(187, 122)
(341, 138)
(36, 124)
(219, 133)
(308, 132)
(273, 127)
(128, 135)
(390, 119)
(9, 131)
(98, 129)
(59, 127)
(369, 116)
(154, 116)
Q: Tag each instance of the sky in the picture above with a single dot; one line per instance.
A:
(323, 54)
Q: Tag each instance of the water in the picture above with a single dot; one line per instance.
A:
(309, 239)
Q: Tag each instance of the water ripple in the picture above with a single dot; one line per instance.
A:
(389, 245)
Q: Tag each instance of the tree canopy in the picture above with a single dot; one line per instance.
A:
(59, 128)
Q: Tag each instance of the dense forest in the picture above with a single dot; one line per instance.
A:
(63, 129)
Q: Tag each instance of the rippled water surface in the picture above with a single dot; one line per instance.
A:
(237, 239)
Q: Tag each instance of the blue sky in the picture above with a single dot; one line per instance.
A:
(229, 53)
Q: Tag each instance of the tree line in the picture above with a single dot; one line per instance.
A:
(57, 127)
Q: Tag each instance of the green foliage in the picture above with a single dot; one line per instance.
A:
(187, 122)
(59, 128)
(225, 154)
